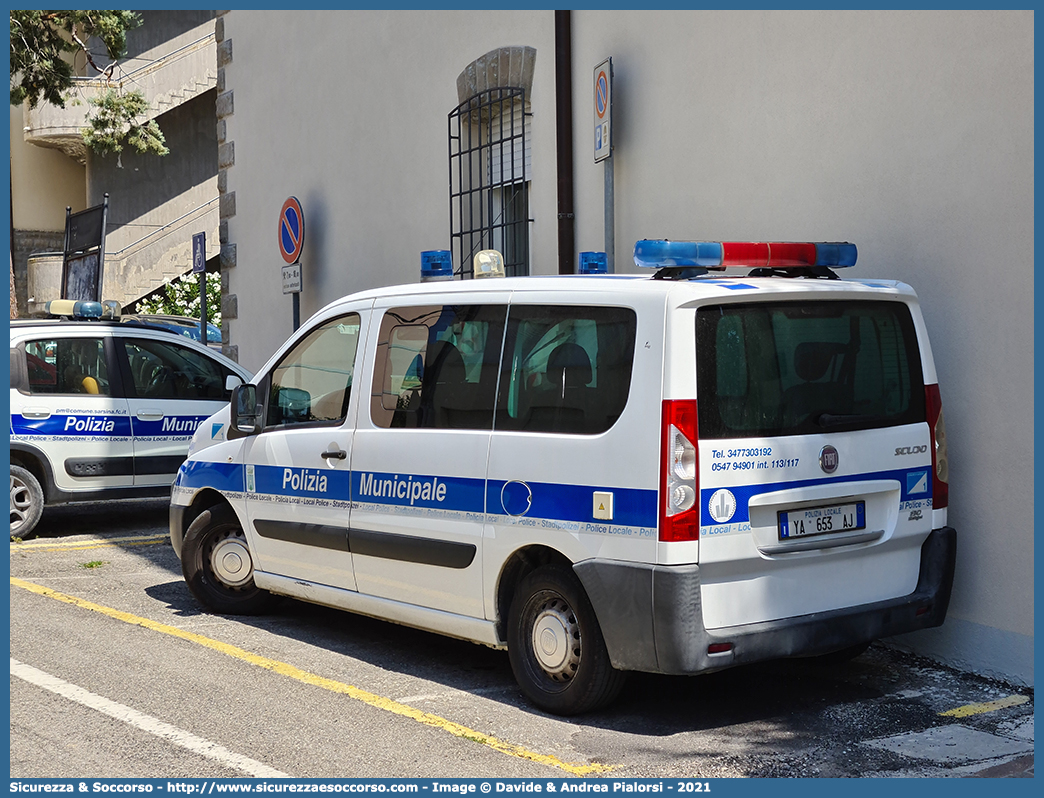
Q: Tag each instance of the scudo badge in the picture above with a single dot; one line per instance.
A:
(828, 459)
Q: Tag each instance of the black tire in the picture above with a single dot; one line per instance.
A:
(27, 501)
(550, 606)
(218, 567)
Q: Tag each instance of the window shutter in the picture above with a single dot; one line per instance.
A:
(510, 161)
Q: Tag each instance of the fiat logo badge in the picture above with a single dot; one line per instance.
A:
(828, 459)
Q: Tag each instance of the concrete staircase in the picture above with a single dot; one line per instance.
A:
(169, 75)
(144, 265)
(166, 82)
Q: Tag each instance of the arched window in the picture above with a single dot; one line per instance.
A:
(490, 160)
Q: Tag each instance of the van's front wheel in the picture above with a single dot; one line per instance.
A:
(556, 647)
(217, 565)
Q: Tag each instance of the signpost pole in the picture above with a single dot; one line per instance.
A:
(199, 266)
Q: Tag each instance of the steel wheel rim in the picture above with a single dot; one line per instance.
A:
(21, 502)
(556, 638)
(229, 560)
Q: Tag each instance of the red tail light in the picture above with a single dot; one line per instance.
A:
(679, 472)
(940, 463)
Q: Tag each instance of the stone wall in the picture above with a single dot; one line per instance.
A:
(26, 243)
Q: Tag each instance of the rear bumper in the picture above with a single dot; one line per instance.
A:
(652, 620)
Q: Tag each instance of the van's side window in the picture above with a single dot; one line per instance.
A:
(566, 369)
(313, 382)
(436, 366)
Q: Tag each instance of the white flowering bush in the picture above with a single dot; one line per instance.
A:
(180, 297)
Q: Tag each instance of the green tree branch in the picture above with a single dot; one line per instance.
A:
(43, 44)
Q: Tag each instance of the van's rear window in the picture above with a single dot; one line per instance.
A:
(792, 368)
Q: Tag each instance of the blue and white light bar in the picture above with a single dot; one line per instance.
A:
(659, 253)
(74, 308)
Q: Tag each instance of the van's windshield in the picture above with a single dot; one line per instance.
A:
(792, 368)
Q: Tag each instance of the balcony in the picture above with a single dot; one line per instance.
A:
(168, 81)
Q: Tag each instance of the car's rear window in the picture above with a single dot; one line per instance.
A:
(792, 368)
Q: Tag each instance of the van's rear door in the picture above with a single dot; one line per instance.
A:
(815, 461)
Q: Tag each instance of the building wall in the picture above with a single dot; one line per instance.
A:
(908, 133)
(148, 191)
(43, 183)
(357, 131)
(46, 181)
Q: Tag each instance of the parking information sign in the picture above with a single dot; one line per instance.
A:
(603, 104)
(292, 278)
(199, 253)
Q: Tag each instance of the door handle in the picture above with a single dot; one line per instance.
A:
(336, 454)
(149, 414)
(36, 412)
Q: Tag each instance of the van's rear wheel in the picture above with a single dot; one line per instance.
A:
(217, 565)
(556, 647)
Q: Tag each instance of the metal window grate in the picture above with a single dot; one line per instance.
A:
(489, 165)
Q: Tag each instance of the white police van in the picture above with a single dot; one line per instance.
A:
(103, 410)
(672, 474)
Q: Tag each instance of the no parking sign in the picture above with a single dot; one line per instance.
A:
(291, 242)
(291, 230)
(603, 105)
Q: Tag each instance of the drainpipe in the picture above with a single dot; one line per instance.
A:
(14, 290)
(564, 140)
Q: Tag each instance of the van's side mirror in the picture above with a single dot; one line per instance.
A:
(245, 411)
(233, 381)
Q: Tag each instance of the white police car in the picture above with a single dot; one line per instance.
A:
(101, 409)
(672, 474)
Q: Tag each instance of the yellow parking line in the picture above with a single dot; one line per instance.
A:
(284, 669)
(988, 706)
(90, 543)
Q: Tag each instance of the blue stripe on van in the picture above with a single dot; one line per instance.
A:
(462, 494)
(551, 501)
(85, 425)
(201, 474)
(168, 425)
(558, 502)
(914, 483)
(319, 483)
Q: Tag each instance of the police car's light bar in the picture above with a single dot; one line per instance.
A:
(660, 253)
(76, 309)
(82, 309)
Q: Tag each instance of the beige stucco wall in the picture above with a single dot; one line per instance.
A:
(356, 129)
(43, 182)
(908, 133)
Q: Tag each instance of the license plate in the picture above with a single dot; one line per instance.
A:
(822, 520)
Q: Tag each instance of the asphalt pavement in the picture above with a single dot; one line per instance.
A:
(98, 603)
